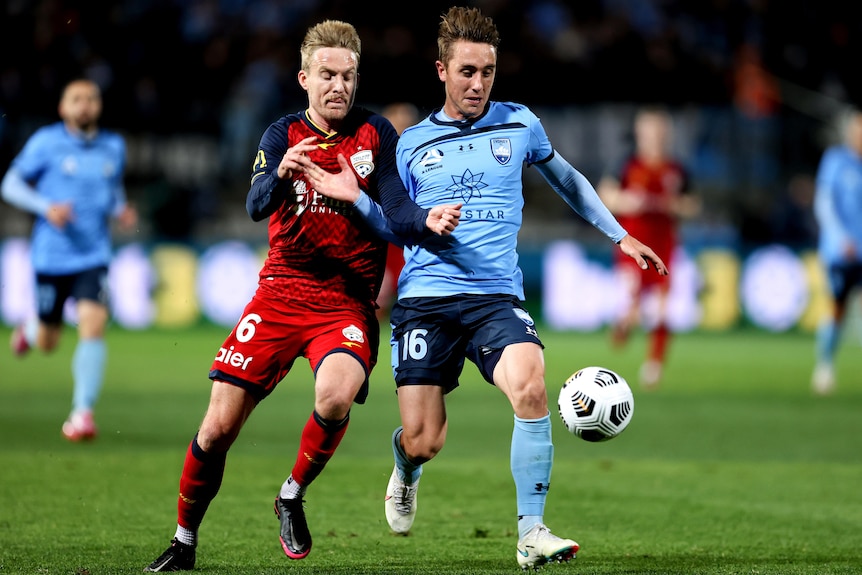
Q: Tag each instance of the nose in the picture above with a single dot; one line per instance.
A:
(339, 84)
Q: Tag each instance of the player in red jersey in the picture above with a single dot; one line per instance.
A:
(317, 289)
(648, 198)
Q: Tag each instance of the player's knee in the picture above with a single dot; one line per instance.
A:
(531, 397)
(217, 434)
(423, 448)
(46, 347)
(334, 402)
(333, 409)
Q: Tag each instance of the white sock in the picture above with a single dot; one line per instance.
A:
(290, 489)
(186, 536)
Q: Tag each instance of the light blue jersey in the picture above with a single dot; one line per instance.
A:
(480, 163)
(838, 203)
(88, 173)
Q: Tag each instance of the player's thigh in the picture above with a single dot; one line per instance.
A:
(520, 375)
(261, 349)
(520, 365)
(631, 276)
(92, 319)
(428, 342)
(337, 383)
(342, 351)
(51, 295)
(90, 292)
(495, 324)
(228, 410)
(843, 279)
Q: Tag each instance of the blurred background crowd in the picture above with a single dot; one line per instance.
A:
(754, 87)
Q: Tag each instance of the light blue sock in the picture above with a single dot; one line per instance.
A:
(531, 459)
(31, 330)
(88, 371)
(828, 334)
(408, 472)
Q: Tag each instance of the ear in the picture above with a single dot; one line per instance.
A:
(441, 70)
(302, 78)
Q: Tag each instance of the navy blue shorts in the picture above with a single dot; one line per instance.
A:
(53, 291)
(843, 278)
(432, 336)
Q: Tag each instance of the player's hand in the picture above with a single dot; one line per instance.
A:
(293, 158)
(629, 202)
(642, 254)
(850, 254)
(128, 217)
(341, 185)
(59, 215)
(444, 218)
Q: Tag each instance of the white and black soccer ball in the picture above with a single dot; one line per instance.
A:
(596, 404)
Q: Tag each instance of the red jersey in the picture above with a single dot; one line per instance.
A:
(656, 225)
(321, 253)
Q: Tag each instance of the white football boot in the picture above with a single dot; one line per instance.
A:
(400, 503)
(540, 546)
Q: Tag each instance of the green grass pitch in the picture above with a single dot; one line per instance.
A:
(731, 467)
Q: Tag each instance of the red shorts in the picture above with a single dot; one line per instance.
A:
(272, 334)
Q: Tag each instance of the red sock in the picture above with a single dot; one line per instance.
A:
(658, 343)
(199, 484)
(320, 438)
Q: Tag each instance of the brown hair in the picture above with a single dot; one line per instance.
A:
(329, 34)
(461, 23)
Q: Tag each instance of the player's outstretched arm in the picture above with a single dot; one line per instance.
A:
(642, 254)
(342, 185)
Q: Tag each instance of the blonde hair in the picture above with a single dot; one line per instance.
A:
(469, 24)
(329, 34)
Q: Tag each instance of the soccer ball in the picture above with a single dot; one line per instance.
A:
(596, 404)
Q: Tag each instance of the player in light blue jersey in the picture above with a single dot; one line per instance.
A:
(838, 209)
(70, 176)
(459, 297)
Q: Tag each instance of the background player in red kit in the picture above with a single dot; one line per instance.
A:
(648, 198)
(317, 289)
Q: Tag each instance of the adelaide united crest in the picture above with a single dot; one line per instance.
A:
(363, 162)
(354, 336)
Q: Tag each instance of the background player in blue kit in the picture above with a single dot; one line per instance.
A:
(70, 176)
(838, 208)
(460, 296)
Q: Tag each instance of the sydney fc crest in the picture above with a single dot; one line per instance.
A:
(363, 163)
(502, 150)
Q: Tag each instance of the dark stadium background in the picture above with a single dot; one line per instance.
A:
(219, 71)
(754, 86)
